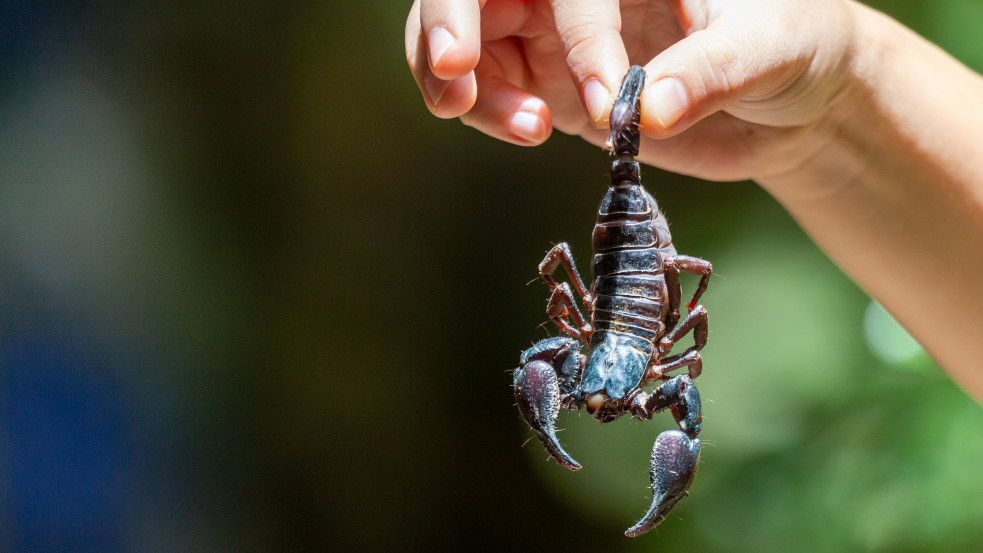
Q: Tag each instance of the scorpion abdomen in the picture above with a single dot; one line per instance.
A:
(630, 241)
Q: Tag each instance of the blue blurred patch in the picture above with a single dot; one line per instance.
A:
(66, 448)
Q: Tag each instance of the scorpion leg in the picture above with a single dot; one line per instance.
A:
(547, 376)
(676, 452)
(690, 358)
(693, 266)
(658, 367)
(696, 320)
(674, 294)
(561, 254)
(561, 306)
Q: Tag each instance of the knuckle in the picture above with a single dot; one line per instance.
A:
(581, 41)
(721, 67)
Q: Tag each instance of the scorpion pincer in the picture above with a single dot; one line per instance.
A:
(632, 323)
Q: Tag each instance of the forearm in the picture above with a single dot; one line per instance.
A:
(894, 190)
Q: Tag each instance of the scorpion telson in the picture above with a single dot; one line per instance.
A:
(632, 323)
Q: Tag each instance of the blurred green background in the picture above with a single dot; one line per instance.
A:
(254, 297)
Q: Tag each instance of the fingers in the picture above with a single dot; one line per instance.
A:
(714, 67)
(453, 36)
(503, 109)
(515, 116)
(589, 31)
(443, 43)
(690, 80)
(442, 48)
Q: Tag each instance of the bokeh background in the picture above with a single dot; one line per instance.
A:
(253, 297)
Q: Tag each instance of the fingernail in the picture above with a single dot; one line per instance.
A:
(438, 41)
(667, 98)
(526, 122)
(435, 87)
(596, 98)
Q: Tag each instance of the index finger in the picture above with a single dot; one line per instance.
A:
(590, 31)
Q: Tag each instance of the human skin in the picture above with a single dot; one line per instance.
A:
(867, 134)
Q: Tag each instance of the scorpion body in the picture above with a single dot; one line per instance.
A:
(630, 241)
(632, 322)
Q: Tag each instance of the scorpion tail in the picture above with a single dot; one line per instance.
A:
(537, 393)
(674, 459)
(625, 114)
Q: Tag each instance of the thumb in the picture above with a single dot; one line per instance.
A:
(713, 69)
(595, 54)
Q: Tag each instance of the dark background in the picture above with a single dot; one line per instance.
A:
(254, 297)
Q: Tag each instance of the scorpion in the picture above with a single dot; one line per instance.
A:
(632, 323)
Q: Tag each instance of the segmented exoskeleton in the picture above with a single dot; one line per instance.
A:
(631, 325)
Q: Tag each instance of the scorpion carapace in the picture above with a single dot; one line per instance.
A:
(632, 323)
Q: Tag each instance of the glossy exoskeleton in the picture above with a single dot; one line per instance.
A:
(632, 322)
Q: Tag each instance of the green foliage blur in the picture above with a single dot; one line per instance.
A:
(317, 291)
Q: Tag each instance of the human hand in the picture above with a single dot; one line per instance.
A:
(750, 81)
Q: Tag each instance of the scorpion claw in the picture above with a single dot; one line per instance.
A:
(674, 459)
(537, 393)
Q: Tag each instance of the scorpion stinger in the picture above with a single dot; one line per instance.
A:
(632, 324)
(625, 114)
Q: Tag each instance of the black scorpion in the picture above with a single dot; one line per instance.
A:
(634, 320)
